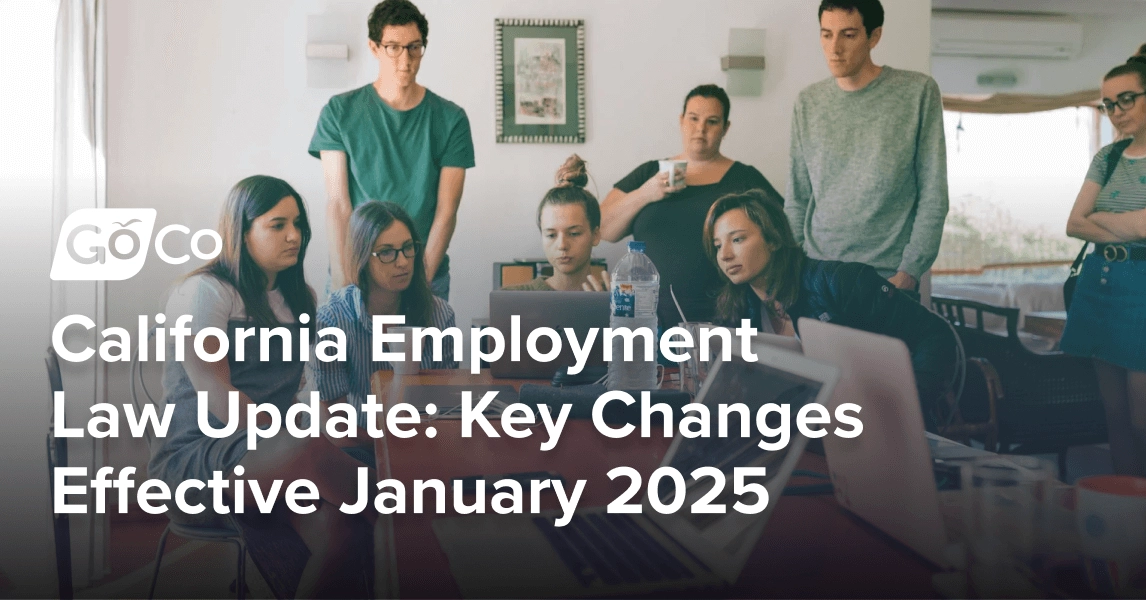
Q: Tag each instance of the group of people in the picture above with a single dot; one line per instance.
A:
(849, 242)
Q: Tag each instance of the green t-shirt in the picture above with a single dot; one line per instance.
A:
(392, 154)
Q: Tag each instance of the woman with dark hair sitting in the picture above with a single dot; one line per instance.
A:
(570, 224)
(1107, 318)
(255, 282)
(770, 281)
(384, 259)
(669, 219)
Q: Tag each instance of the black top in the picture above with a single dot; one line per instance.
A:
(854, 295)
(672, 231)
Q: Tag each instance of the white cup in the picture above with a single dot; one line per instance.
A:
(1111, 519)
(676, 170)
(410, 366)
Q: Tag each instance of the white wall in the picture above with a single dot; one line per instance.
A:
(204, 93)
(1107, 41)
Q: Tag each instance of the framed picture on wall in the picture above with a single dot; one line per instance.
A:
(540, 81)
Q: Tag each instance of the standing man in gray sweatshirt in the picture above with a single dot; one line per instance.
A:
(869, 163)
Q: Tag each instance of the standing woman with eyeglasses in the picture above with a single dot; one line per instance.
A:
(384, 257)
(1107, 318)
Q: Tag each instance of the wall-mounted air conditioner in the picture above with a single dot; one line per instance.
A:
(1005, 36)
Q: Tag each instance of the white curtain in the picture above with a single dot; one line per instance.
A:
(80, 181)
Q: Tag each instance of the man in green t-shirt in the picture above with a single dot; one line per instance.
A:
(395, 140)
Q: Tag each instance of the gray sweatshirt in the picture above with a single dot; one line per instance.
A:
(869, 172)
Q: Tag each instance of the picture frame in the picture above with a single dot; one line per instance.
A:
(540, 81)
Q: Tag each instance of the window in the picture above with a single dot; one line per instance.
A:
(1012, 180)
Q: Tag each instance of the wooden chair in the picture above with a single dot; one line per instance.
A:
(230, 533)
(1050, 401)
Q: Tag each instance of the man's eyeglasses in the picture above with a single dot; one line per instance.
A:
(389, 255)
(416, 50)
(1124, 101)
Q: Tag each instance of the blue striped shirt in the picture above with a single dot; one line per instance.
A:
(346, 310)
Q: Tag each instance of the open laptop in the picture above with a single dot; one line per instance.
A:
(579, 311)
(607, 554)
(783, 342)
(885, 475)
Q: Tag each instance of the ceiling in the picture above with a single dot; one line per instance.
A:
(1135, 8)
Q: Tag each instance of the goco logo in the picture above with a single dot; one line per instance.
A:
(110, 244)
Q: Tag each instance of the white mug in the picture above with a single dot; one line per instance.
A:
(1111, 519)
(412, 365)
(676, 170)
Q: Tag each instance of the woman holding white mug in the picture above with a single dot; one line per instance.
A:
(668, 216)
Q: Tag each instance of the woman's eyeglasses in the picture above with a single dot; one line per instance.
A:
(1124, 101)
(389, 255)
(416, 50)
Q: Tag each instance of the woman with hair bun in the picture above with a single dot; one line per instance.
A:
(1107, 318)
(570, 223)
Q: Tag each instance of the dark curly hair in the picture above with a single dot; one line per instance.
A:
(396, 12)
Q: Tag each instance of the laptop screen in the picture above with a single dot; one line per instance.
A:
(753, 385)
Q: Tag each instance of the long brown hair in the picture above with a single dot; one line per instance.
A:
(781, 274)
(249, 199)
(367, 222)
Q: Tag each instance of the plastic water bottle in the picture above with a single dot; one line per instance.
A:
(635, 288)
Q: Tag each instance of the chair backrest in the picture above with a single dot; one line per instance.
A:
(57, 447)
(58, 457)
(1049, 399)
(137, 382)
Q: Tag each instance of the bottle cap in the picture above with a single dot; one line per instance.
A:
(635, 246)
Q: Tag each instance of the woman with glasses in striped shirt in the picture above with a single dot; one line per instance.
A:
(384, 261)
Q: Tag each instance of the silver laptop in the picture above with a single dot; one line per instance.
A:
(885, 475)
(599, 553)
(782, 342)
(579, 311)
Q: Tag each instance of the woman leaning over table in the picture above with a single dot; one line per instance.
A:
(384, 259)
(670, 220)
(1107, 318)
(771, 282)
(257, 281)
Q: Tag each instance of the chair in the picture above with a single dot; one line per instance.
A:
(1050, 401)
(58, 457)
(231, 534)
(974, 414)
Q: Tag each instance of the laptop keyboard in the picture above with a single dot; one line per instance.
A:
(611, 549)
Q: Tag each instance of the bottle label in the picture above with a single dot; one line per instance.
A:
(624, 300)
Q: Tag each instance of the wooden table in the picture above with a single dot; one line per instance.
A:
(811, 547)
(1047, 324)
